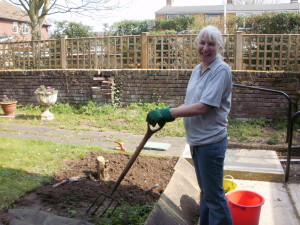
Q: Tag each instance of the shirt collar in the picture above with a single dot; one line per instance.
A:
(216, 61)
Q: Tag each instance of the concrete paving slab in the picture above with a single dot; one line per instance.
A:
(278, 208)
(262, 165)
(8, 117)
(105, 140)
(35, 217)
(294, 194)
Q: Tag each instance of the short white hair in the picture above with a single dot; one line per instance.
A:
(213, 34)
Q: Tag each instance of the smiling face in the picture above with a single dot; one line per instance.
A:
(209, 44)
(207, 50)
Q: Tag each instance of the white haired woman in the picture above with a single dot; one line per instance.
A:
(206, 107)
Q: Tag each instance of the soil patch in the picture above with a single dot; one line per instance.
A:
(73, 199)
(294, 175)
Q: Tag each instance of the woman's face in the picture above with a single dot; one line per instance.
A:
(207, 50)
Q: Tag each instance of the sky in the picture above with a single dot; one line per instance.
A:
(136, 10)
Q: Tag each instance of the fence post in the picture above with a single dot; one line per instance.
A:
(63, 52)
(238, 50)
(144, 50)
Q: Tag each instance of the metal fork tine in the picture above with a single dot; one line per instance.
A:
(94, 203)
(112, 200)
(109, 201)
(117, 205)
(99, 205)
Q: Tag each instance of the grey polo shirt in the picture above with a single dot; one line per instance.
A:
(213, 88)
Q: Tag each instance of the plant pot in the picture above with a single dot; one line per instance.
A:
(9, 108)
(46, 100)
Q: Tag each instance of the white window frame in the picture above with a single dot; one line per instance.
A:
(212, 15)
(25, 28)
(244, 20)
(15, 27)
(171, 16)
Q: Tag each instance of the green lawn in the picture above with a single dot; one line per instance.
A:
(25, 164)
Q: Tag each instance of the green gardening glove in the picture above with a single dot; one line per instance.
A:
(159, 116)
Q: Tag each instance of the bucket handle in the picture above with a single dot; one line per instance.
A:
(229, 177)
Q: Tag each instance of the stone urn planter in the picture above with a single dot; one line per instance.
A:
(46, 97)
(9, 108)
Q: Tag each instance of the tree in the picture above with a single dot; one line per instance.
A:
(179, 24)
(72, 30)
(270, 23)
(37, 10)
(131, 27)
(136, 27)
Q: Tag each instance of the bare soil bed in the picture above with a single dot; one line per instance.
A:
(294, 175)
(73, 199)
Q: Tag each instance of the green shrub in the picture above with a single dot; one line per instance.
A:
(270, 23)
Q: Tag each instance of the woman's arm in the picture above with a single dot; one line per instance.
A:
(189, 110)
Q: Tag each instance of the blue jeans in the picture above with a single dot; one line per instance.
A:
(209, 165)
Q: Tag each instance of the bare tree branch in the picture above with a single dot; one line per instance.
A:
(37, 10)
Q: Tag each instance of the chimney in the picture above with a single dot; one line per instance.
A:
(170, 2)
(294, 1)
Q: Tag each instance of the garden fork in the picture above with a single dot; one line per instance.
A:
(104, 201)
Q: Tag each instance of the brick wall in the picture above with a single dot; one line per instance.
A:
(249, 103)
(80, 86)
(153, 85)
(73, 86)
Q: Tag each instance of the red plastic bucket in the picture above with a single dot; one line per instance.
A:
(245, 207)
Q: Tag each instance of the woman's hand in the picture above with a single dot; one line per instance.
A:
(159, 116)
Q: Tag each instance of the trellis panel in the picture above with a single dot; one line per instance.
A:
(245, 51)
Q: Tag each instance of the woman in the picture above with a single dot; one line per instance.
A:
(205, 110)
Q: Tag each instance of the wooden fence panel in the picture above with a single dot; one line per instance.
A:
(104, 53)
(229, 50)
(172, 51)
(30, 55)
(272, 52)
(241, 51)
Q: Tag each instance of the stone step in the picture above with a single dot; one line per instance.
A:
(260, 165)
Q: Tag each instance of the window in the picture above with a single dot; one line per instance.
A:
(173, 16)
(25, 28)
(15, 27)
(242, 25)
(211, 16)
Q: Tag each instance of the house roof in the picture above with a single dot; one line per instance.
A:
(230, 8)
(12, 12)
